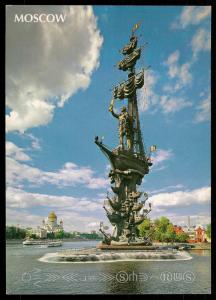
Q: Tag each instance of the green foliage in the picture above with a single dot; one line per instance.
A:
(33, 236)
(161, 227)
(170, 234)
(208, 231)
(68, 235)
(182, 237)
(15, 233)
(59, 235)
(164, 232)
(50, 235)
(144, 228)
(90, 236)
(162, 224)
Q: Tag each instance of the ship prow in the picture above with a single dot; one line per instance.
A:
(124, 160)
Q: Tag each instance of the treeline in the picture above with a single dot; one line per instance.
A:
(162, 230)
(13, 232)
(74, 235)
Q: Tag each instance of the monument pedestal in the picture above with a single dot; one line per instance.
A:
(126, 247)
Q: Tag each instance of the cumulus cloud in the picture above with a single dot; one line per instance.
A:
(160, 156)
(167, 188)
(181, 198)
(15, 152)
(147, 97)
(46, 63)
(69, 175)
(204, 110)
(35, 142)
(201, 41)
(201, 218)
(180, 77)
(18, 198)
(171, 60)
(73, 221)
(181, 73)
(191, 15)
(171, 104)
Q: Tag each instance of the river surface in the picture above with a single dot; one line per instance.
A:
(25, 274)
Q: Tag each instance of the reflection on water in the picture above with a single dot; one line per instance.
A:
(25, 274)
(201, 252)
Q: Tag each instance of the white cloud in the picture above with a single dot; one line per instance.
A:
(72, 221)
(46, 63)
(15, 152)
(191, 15)
(18, 198)
(35, 141)
(160, 156)
(146, 96)
(181, 73)
(180, 76)
(171, 104)
(69, 175)
(21, 204)
(173, 58)
(166, 188)
(202, 218)
(201, 41)
(181, 198)
(204, 110)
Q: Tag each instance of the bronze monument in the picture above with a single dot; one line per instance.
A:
(129, 161)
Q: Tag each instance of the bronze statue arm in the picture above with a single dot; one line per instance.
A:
(112, 111)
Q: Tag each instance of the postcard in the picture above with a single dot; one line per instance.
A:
(108, 136)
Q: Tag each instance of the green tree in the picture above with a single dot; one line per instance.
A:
(160, 226)
(144, 228)
(157, 236)
(208, 231)
(60, 234)
(33, 236)
(170, 232)
(50, 235)
(182, 237)
(13, 232)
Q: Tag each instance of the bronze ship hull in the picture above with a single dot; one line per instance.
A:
(123, 160)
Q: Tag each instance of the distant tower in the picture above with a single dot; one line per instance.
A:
(61, 223)
(189, 224)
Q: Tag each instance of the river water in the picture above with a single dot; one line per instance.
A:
(25, 274)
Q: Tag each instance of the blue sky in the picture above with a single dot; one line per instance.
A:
(58, 82)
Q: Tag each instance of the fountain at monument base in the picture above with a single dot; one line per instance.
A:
(94, 255)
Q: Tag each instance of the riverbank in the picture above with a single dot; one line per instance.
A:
(19, 241)
(201, 246)
(194, 246)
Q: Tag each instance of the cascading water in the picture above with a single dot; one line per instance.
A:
(93, 255)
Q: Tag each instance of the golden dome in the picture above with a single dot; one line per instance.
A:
(52, 216)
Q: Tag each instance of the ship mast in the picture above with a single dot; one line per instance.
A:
(128, 90)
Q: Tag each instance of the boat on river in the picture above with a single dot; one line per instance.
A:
(48, 243)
